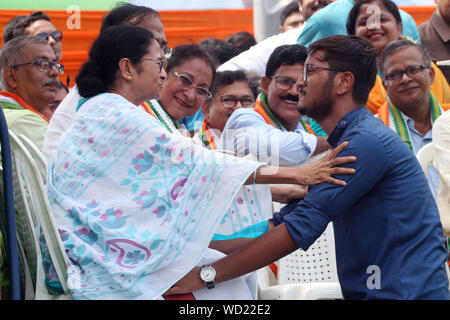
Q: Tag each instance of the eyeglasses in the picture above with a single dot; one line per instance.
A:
(187, 84)
(284, 83)
(411, 71)
(159, 61)
(307, 70)
(231, 101)
(45, 66)
(57, 35)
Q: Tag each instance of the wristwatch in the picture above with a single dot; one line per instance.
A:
(208, 274)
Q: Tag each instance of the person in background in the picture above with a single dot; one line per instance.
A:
(61, 93)
(435, 34)
(242, 41)
(332, 21)
(291, 17)
(275, 122)
(39, 24)
(29, 80)
(8, 30)
(126, 14)
(266, 17)
(255, 59)
(411, 108)
(220, 50)
(190, 73)
(380, 32)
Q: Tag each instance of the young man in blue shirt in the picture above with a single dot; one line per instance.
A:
(388, 235)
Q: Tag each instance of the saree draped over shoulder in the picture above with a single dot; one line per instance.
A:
(136, 206)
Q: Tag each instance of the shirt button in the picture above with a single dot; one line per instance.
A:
(343, 122)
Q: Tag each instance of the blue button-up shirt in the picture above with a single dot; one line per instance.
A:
(384, 219)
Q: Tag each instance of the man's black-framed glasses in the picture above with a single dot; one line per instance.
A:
(230, 101)
(57, 35)
(308, 70)
(411, 71)
(45, 65)
(187, 84)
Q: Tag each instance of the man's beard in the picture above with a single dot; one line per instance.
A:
(319, 110)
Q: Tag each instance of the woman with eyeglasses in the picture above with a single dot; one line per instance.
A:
(379, 22)
(190, 72)
(136, 205)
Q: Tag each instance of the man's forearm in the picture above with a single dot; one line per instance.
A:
(270, 247)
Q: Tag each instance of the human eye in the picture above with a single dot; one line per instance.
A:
(394, 75)
(247, 101)
(203, 91)
(185, 80)
(414, 70)
(45, 65)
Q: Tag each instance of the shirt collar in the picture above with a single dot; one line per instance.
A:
(337, 133)
(441, 27)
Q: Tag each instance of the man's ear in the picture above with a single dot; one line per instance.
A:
(10, 77)
(345, 82)
(265, 82)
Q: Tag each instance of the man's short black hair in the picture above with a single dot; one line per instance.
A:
(288, 10)
(20, 29)
(8, 30)
(354, 54)
(288, 55)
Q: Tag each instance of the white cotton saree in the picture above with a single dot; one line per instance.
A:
(136, 206)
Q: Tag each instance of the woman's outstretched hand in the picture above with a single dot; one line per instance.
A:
(322, 170)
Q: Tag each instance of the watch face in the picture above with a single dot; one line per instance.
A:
(208, 274)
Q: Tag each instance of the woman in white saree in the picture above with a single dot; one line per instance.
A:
(137, 206)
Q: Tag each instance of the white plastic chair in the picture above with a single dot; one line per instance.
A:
(425, 156)
(36, 154)
(33, 213)
(304, 275)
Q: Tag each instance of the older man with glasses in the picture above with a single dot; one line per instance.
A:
(29, 82)
(275, 121)
(412, 109)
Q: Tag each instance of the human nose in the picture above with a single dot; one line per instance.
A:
(163, 74)
(403, 79)
(300, 82)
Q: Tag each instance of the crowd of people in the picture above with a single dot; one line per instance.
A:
(167, 166)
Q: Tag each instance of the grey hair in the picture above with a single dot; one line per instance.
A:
(396, 45)
(11, 53)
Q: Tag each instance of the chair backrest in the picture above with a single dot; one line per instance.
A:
(425, 156)
(317, 264)
(33, 211)
(36, 154)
